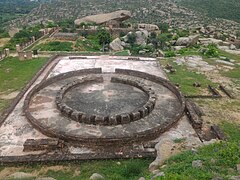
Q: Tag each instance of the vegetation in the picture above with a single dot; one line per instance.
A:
(219, 159)
(211, 51)
(12, 9)
(186, 78)
(104, 37)
(15, 74)
(3, 33)
(131, 38)
(55, 46)
(24, 36)
(90, 43)
(215, 8)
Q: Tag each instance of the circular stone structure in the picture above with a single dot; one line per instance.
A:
(90, 107)
(93, 101)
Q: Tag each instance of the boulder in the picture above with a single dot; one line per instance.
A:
(197, 164)
(118, 16)
(187, 41)
(141, 37)
(96, 176)
(160, 53)
(116, 45)
(148, 27)
(206, 41)
(210, 29)
(232, 47)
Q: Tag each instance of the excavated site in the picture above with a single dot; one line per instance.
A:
(98, 107)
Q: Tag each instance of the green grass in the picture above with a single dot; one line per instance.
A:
(91, 43)
(186, 78)
(55, 46)
(4, 104)
(15, 74)
(122, 53)
(130, 169)
(219, 159)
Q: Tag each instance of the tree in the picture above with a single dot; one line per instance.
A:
(104, 37)
(132, 37)
(163, 27)
(162, 39)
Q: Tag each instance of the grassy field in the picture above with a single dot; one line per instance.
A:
(15, 74)
(186, 78)
(55, 46)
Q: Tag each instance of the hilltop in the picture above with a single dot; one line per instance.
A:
(178, 14)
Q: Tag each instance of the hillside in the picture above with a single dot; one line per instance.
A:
(229, 9)
(147, 11)
(12, 9)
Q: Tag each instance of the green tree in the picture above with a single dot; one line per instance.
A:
(131, 38)
(163, 27)
(103, 36)
(162, 40)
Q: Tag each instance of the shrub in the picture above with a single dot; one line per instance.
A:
(170, 54)
(211, 51)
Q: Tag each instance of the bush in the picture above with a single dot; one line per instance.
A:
(170, 54)
(211, 51)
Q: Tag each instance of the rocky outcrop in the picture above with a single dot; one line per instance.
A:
(148, 27)
(116, 45)
(206, 41)
(141, 37)
(187, 41)
(104, 18)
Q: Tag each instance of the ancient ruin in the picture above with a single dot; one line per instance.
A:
(97, 107)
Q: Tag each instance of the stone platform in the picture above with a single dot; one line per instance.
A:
(101, 107)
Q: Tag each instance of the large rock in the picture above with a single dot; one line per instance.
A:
(141, 37)
(96, 176)
(187, 41)
(148, 27)
(206, 41)
(116, 45)
(104, 18)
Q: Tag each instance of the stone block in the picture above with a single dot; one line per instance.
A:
(125, 118)
(113, 120)
(135, 116)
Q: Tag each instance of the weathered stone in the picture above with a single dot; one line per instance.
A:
(187, 41)
(113, 120)
(125, 119)
(238, 168)
(141, 178)
(99, 120)
(118, 16)
(197, 164)
(96, 176)
(148, 27)
(135, 116)
(235, 178)
(141, 37)
(116, 45)
(158, 175)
